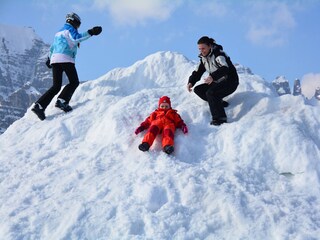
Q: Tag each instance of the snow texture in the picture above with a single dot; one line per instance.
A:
(80, 175)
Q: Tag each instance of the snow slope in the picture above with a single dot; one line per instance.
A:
(81, 176)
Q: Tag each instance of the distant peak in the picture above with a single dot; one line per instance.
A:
(11, 36)
(166, 55)
(280, 79)
(242, 69)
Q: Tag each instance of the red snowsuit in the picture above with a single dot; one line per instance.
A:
(162, 120)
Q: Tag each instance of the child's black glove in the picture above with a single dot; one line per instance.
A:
(48, 63)
(95, 30)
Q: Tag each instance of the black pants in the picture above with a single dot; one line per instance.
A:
(68, 90)
(214, 93)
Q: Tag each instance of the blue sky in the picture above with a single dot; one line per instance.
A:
(271, 37)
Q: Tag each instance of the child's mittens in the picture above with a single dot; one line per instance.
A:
(184, 129)
(139, 130)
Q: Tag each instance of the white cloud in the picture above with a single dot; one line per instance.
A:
(269, 23)
(309, 83)
(132, 12)
(211, 8)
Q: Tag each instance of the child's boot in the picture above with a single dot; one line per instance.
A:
(144, 146)
(168, 149)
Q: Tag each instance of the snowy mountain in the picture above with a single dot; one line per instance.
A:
(23, 74)
(80, 175)
(281, 84)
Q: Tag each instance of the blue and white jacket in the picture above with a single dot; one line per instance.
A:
(65, 44)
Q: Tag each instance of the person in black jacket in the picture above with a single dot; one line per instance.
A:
(222, 79)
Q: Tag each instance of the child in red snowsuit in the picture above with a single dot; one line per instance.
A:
(165, 120)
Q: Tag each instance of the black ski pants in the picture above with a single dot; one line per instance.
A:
(214, 93)
(68, 90)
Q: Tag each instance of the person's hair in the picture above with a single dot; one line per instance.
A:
(206, 40)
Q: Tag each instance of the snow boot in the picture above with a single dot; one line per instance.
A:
(168, 149)
(144, 146)
(225, 104)
(63, 105)
(218, 122)
(39, 111)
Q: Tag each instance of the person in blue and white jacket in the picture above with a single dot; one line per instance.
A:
(61, 59)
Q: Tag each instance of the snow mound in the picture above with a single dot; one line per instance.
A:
(81, 176)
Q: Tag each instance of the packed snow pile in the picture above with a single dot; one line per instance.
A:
(80, 175)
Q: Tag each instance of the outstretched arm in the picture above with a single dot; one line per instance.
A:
(145, 124)
(195, 76)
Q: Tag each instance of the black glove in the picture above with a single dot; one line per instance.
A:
(48, 63)
(95, 30)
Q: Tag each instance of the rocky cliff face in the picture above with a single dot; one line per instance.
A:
(296, 88)
(317, 93)
(281, 85)
(23, 73)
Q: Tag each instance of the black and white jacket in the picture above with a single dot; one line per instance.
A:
(218, 64)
